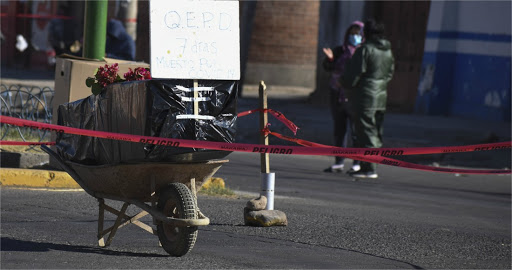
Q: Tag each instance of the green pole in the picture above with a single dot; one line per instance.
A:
(95, 29)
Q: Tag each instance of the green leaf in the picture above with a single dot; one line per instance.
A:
(89, 81)
(96, 89)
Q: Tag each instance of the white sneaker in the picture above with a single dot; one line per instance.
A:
(355, 168)
(372, 175)
(335, 168)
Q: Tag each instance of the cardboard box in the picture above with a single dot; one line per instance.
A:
(71, 73)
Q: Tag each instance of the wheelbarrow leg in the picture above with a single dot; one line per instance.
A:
(193, 189)
(194, 193)
(101, 215)
(153, 196)
(153, 202)
(117, 223)
(112, 230)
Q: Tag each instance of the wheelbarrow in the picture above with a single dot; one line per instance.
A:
(166, 191)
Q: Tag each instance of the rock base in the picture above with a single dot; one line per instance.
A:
(264, 218)
(256, 215)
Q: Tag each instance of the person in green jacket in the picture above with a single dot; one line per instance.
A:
(366, 78)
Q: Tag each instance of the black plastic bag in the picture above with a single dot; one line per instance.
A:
(157, 108)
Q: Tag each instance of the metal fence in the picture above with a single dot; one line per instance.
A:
(26, 102)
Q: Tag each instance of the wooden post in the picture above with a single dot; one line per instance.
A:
(196, 95)
(267, 178)
(265, 166)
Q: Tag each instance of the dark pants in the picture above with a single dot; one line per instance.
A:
(368, 129)
(342, 124)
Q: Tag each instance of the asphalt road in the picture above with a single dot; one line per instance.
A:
(404, 219)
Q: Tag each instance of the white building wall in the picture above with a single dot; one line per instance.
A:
(492, 17)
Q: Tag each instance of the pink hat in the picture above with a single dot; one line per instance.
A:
(358, 23)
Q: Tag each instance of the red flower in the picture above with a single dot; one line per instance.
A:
(108, 74)
(139, 74)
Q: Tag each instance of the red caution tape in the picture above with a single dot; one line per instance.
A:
(384, 160)
(278, 115)
(376, 154)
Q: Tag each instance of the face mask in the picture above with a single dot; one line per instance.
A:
(355, 39)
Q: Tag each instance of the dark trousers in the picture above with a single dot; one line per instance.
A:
(368, 126)
(342, 124)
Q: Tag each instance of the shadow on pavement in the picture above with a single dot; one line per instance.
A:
(10, 244)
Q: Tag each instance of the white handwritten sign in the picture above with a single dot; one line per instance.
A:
(195, 39)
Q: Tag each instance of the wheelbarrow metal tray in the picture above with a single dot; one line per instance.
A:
(134, 181)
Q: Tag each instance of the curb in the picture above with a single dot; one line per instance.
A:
(36, 178)
(58, 179)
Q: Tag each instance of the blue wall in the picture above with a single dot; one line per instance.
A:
(471, 85)
(481, 87)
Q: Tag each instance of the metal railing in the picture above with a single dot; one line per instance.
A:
(26, 102)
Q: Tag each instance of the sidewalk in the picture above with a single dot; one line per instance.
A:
(400, 130)
(11, 76)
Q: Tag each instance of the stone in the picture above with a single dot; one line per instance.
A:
(257, 204)
(264, 218)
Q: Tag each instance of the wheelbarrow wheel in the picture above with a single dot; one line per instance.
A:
(177, 201)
